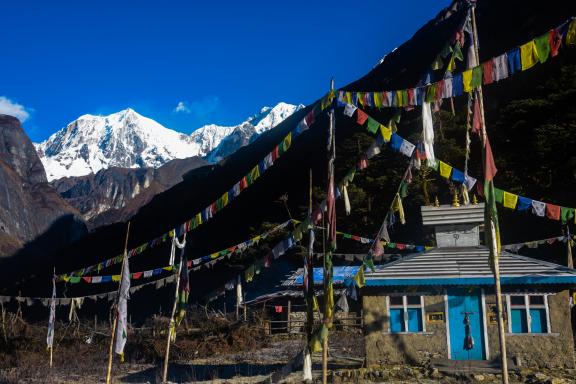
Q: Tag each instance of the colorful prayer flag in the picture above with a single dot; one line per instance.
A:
(510, 200)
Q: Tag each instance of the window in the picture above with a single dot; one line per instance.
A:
(406, 313)
(528, 313)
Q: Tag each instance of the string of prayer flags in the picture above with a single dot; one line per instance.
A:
(536, 243)
(495, 69)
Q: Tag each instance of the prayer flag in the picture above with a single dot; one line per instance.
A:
(361, 117)
(528, 55)
(467, 80)
(539, 208)
(498, 195)
(407, 148)
(514, 64)
(124, 295)
(428, 133)
(566, 214)
(52, 316)
(571, 34)
(183, 289)
(386, 133)
(445, 169)
(487, 69)
(510, 200)
(524, 203)
(349, 110)
(542, 44)
(553, 211)
(555, 42)
(476, 80)
(500, 67)
(372, 125)
(396, 142)
(457, 176)
(490, 166)
(469, 181)
(359, 277)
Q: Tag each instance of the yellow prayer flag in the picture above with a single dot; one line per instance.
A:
(224, 199)
(467, 80)
(386, 132)
(452, 64)
(399, 99)
(255, 173)
(361, 98)
(528, 55)
(445, 169)
(214, 255)
(571, 34)
(168, 268)
(287, 141)
(115, 277)
(349, 97)
(359, 277)
(171, 233)
(427, 247)
(198, 218)
(510, 200)
(377, 100)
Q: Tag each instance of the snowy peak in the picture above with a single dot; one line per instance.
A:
(129, 140)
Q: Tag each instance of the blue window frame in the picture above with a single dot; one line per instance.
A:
(406, 313)
(528, 313)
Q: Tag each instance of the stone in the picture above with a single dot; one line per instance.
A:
(557, 380)
(479, 377)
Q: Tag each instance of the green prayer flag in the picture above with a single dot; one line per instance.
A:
(373, 125)
(75, 279)
(566, 214)
(458, 52)
(543, 47)
(498, 195)
(403, 189)
(476, 76)
(431, 93)
(359, 277)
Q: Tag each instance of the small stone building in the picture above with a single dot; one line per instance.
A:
(441, 303)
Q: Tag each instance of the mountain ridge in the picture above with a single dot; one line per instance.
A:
(128, 139)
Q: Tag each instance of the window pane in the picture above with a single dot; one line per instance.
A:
(413, 300)
(414, 320)
(538, 321)
(397, 320)
(396, 300)
(536, 300)
(519, 321)
(517, 300)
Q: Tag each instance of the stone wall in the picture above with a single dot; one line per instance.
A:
(540, 350)
(543, 350)
(383, 347)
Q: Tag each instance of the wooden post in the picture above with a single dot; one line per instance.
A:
(115, 323)
(493, 245)
(288, 318)
(245, 308)
(95, 322)
(171, 325)
(570, 262)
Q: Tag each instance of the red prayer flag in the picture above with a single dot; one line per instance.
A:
(439, 90)
(361, 117)
(317, 215)
(490, 166)
(553, 211)
(555, 42)
(243, 182)
(400, 246)
(477, 119)
(487, 70)
(87, 279)
(136, 275)
(309, 118)
(411, 100)
(363, 164)
(480, 188)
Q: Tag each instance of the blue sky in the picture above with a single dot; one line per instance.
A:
(223, 60)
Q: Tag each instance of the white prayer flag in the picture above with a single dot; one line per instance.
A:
(52, 317)
(407, 148)
(428, 134)
(539, 208)
(349, 110)
(122, 326)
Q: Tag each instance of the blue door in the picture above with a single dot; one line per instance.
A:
(465, 324)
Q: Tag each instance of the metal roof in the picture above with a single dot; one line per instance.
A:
(340, 274)
(467, 266)
(448, 215)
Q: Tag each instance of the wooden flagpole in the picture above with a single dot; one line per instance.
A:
(171, 325)
(52, 346)
(570, 261)
(493, 246)
(115, 323)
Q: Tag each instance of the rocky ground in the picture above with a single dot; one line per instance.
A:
(219, 352)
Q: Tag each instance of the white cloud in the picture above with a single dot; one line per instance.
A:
(182, 108)
(8, 107)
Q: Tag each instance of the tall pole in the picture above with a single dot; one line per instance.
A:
(52, 346)
(492, 226)
(171, 324)
(115, 323)
(309, 284)
(331, 214)
(570, 262)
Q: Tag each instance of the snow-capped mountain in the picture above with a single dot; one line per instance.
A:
(129, 140)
